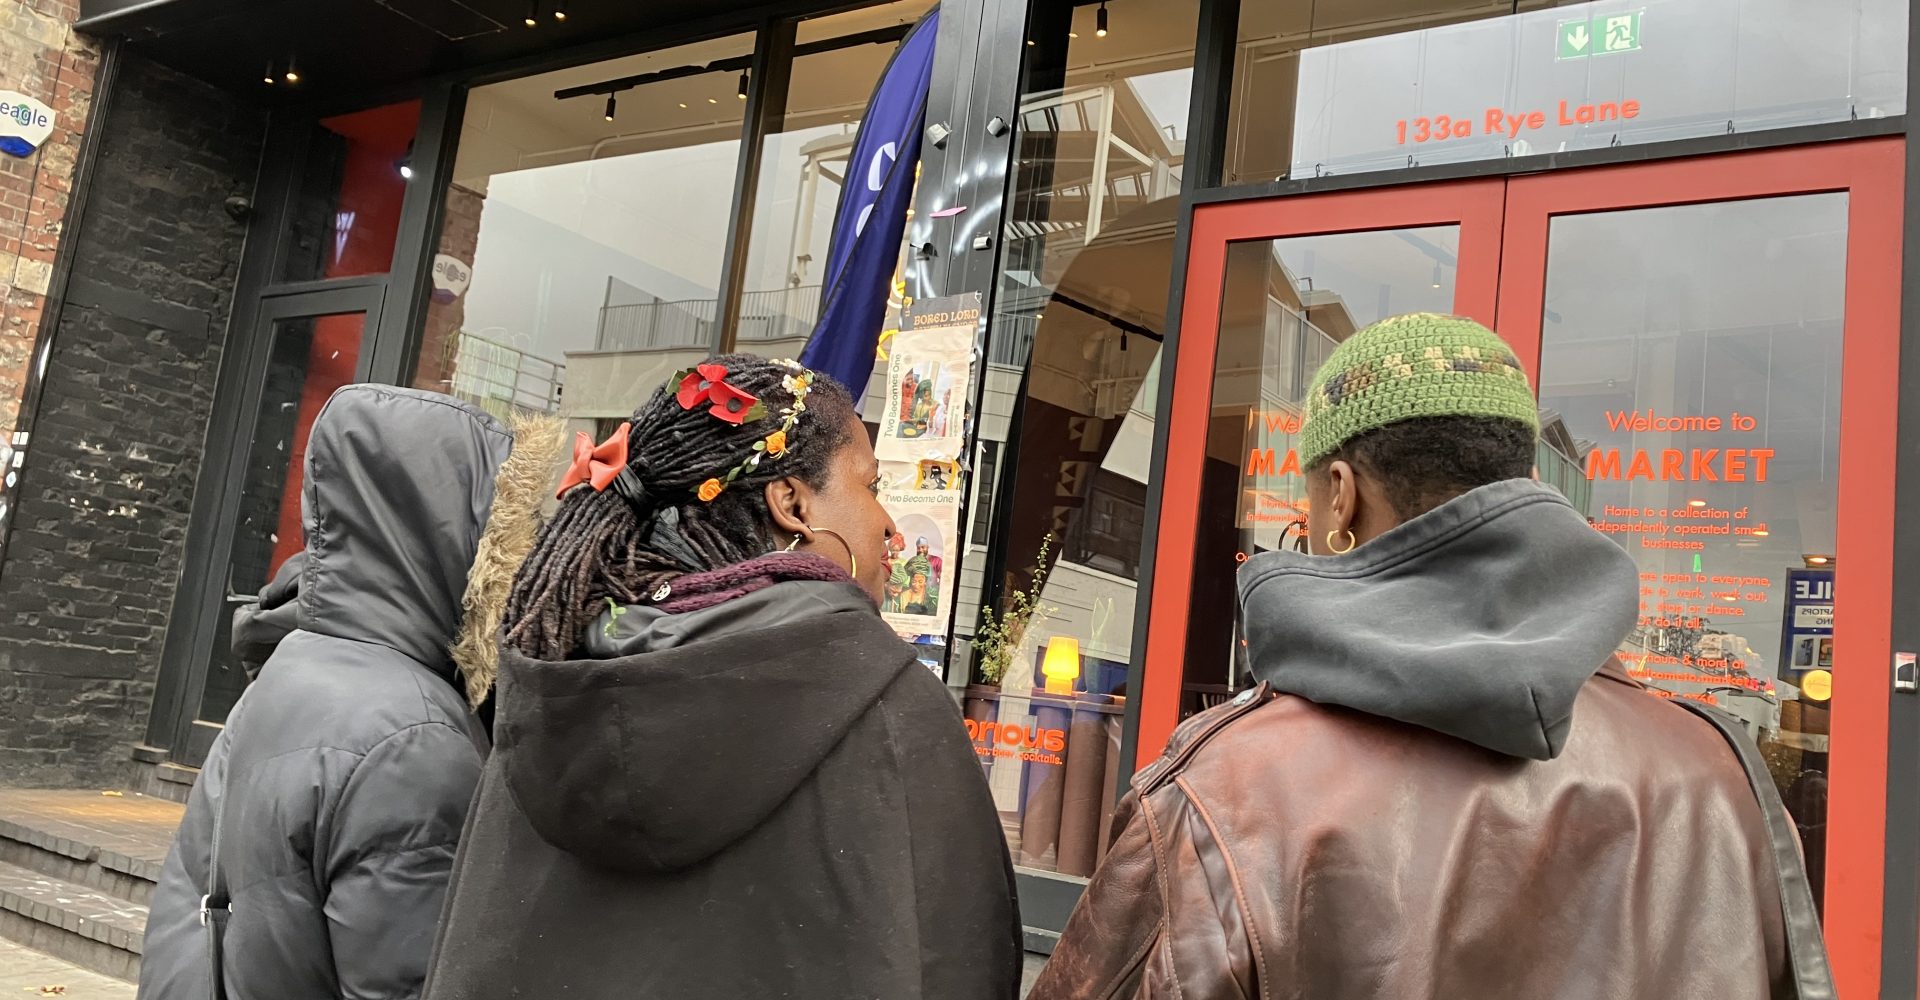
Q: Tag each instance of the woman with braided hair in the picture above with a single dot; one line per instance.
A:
(717, 773)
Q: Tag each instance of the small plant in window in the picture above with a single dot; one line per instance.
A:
(1001, 635)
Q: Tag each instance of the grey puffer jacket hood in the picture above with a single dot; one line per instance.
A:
(1481, 619)
(342, 776)
(258, 627)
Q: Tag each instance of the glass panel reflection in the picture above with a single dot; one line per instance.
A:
(1285, 305)
(1692, 356)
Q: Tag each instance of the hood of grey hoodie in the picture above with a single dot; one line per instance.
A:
(1480, 619)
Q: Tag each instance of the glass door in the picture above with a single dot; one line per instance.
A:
(1701, 333)
(305, 346)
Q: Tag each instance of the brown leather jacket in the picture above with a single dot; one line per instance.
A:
(1284, 849)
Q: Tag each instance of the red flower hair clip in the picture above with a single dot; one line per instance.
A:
(707, 385)
(596, 465)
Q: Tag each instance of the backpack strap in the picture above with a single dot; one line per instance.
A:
(1806, 948)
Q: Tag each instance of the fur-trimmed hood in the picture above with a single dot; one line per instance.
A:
(519, 492)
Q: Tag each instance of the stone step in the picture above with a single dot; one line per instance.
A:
(90, 928)
(109, 843)
(112, 872)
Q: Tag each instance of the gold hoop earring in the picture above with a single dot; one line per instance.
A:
(855, 560)
(1337, 550)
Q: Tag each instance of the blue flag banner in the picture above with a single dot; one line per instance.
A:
(871, 218)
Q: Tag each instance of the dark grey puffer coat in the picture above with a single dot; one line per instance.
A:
(344, 772)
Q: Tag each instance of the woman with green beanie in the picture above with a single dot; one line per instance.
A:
(1444, 784)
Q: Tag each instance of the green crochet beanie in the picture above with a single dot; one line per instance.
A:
(1408, 367)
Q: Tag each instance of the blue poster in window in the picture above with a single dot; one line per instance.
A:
(1806, 624)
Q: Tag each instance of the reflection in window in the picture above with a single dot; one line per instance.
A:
(579, 262)
(1285, 305)
(1074, 343)
(345, 211)
(1692, 357)
(803, 167)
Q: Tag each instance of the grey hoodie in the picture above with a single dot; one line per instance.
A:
(1480, 619)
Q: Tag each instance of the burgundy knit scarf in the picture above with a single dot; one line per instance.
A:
(699, 591)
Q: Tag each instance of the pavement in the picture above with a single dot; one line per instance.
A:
(28, 973)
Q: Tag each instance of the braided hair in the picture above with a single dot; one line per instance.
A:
(621, 546)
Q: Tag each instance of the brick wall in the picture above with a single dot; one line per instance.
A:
(41, 57)
(103, 505)
(459, 238)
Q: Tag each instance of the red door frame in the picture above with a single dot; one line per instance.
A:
(1502, 281)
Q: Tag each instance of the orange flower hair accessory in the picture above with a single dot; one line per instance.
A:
(775, 444)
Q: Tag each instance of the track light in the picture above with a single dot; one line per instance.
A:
(560, 10)
(1100, 20)
(293, 72)
(1438, 278)
(610, 107)
(743, 85)
(533, 14)
(405, 166)
(269, 79)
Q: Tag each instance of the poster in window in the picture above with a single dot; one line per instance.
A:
(930, 381)
(1806, 622)
(920, 579)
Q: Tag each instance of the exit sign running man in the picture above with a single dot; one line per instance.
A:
(1602, 34)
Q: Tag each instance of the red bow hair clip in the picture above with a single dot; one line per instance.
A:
(707, 385)
(596, 465)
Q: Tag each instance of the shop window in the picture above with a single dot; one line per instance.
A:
(1384, 84)
(1691, 356)
(346, 208)
(1069, 414)
(803, 166)
(579, 263)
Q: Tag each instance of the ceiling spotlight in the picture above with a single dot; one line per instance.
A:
(293, 72)
(683, 105)
(713, 100)
(1073, 34)
(560, 10)
(610, 107)
(1696, 504)
(1819, 560)
(1100, 20)
(1438, 278)
(743, 84)
(405, 166)
(269, 79)
(533, 14)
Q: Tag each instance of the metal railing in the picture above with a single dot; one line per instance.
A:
(500, 378)
(780, 314)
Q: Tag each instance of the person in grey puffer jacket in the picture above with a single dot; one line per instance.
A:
(342, 778)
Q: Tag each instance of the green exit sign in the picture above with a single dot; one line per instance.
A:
(1602, 34)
